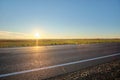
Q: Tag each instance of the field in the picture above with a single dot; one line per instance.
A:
(44, 42)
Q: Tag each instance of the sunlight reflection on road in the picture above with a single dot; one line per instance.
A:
(38, 58)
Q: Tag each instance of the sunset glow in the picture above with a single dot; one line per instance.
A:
(59, 19)
(37, 35)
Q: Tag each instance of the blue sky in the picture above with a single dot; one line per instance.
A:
(60, 18)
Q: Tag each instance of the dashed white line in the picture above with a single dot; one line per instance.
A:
(54, 66)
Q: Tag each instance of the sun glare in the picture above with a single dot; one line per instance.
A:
(37, 35)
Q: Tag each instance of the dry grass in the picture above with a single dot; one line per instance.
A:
(44, 42)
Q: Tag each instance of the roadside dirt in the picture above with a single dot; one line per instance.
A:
(106, 71)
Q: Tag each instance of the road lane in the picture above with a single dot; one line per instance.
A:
(19, 59)
(59, 65)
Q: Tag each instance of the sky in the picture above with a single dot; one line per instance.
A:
(59, 19)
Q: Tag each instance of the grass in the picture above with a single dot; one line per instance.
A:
(44, 42)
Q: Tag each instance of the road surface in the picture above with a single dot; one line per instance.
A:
(36, 63)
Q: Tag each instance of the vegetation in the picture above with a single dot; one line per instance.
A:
(44, 42)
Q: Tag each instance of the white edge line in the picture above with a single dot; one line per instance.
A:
(54, 66)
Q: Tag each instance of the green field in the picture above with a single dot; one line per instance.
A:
(45, 42)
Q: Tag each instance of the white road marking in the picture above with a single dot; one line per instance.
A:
(54, 66)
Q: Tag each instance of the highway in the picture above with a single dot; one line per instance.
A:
(36, 63)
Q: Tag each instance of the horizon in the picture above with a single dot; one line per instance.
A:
(67, 39)
(64, 19)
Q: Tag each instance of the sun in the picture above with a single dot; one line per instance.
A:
(37, 35)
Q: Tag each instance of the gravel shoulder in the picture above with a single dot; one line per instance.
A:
(106, 71)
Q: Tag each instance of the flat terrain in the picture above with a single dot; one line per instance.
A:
(46, 42)
(34, 63)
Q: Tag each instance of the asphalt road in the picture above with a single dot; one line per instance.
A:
(36, 63)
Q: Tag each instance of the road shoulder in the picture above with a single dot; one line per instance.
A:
(106, 71)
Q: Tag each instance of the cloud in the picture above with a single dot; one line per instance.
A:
(14, 35)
